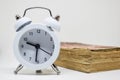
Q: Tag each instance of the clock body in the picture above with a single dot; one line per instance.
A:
(36, 46)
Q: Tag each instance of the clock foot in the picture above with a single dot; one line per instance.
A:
(55, 69)
(18, 69)
(38, 71)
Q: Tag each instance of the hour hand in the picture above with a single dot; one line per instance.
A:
(30, 43)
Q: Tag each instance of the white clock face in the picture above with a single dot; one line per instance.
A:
(36, 46)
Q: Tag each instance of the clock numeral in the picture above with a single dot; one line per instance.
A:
(25, 39)
(30, 58)
(51, 54)
(53, 46)
(38, 30)
(45, 33)
(45, 59)
(24, 53)
(22, 46)
(31, 33)
(51, 39)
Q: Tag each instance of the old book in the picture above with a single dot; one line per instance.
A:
(88, 58)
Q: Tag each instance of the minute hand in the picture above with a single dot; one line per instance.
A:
(45, 51)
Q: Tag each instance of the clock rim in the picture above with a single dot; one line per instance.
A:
(25, 62)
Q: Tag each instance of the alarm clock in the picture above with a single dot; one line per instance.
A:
(36, 45)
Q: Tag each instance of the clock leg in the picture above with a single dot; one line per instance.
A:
(18, 69)
(55, 69)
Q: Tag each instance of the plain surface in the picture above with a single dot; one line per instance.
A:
(49, 74)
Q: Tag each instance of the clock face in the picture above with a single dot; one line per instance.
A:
(36, 46)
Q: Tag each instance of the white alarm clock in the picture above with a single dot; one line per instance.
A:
(36, 45)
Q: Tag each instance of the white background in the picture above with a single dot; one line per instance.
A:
(86, 21)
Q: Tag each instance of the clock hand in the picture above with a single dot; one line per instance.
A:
(45, 51)
(36, 47)
(32, 44)
(36, 55)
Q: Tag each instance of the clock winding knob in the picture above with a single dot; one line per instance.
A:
(57, 17)
(17, 17)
